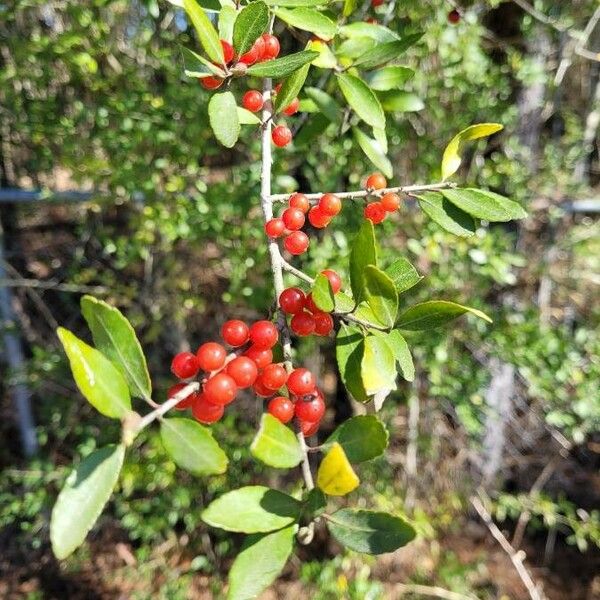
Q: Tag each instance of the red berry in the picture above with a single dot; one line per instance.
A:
(376, 3)
(300, 201)
(264, 334)
(235, 332)
(220, 389)
(274, 376)
(296, 243)
(281, 135)
(281, 408)
(453, 17)
(308, 428)
(301, 382)
(292, 108)
(292, 300)
(318, 218)
(185, 365)
(310, 305)
(261, 356)
(243, 371)
(228, 52)
(275, 227)
(302, 323)
(271, 46)
(330, 205)
(376, 181)
(253, 100)
(277, 88)
(186, 402)
(323, 323)
(375, 212)
(310, 410)
(259, 46)
(334, 279)
(211, 83)
(260, 389)
(211, 356)
(293, 218)
(205, 411)
(250, 57)
(390, 202)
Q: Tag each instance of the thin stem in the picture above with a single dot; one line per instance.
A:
(403, 189)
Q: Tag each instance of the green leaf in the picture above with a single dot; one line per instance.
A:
(428, 315)
(223, 117)
(400, 101)
(374, 31)
(246, 117)
(485, 205)
(403, 274)
(383, 53)
(282, 67)
(308, 19)
(362, 100)
(114, 336)
(314, 127)
(322, 294)
(355, 47)
(100, 382)
(329, 107)
(259, 563)
(252, 509)
(326, 58)
(349, 351)
(362, 253)
(251, 23)
(381, 295)
(446, 215)
(314, 503)
(291, 88)
(335, 476)
(390, 78)
(275, 444)
(452, 154)
(195, 65)
(192, 446)
(349, 7)
(369, 531)
(343, 303)
(363, 438)
(402, 354)
(294, 3)
(84, 495)
(207, 35)
(374, 151)
(378, 366)
(227, 17)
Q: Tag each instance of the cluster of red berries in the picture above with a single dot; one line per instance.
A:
(266, 47)
(307, 318)
(294, 217)
(251, 365)
(377, 211)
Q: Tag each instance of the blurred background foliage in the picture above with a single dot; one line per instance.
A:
(92, 98)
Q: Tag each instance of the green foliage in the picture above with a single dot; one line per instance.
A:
(224, 120)
(252, 21)
(362, 438)
(275, 444)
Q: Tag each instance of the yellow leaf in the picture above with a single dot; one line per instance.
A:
(336, 476)
(451, 159)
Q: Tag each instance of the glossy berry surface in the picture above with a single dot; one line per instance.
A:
(375, 212)
(220, 389)
(317, 218)
(310, 305)
(274, 376)
(292, 300)
(330, 205)
(261, 356)
(274, 228)
(252, 100)
(264, 334)
(211, 83)
(281, 136)
(334, 279)
(250, 57)
(390, 202)
(211, 356)
(296, 243)
(300, 201)
(301, 381)
(303, 323)
(243, 371)
(281, 408)
(228, 52)
(308, 428)
(293, 218)
(186, 402)
(323, 323)
(453, 17)
(271, 49)
(260, 389)
(206, 412)
(235, 332)
(292, 107)
(376, 181)
(310, 410)
(185, 365)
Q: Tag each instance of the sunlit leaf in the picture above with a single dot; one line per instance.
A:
(335, 476)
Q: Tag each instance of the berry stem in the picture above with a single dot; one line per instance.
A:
(403, 189)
